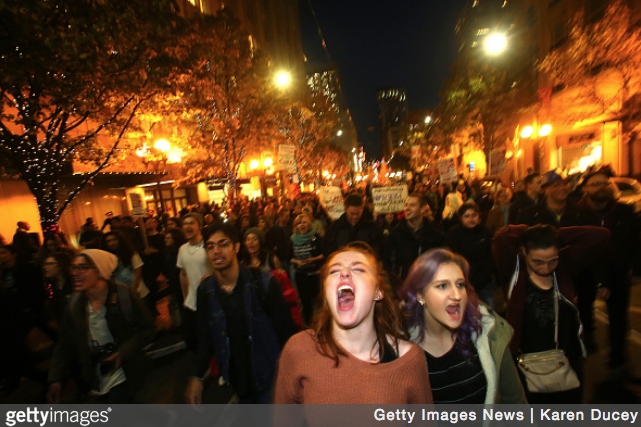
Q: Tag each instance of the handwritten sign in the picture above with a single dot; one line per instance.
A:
(137, 207)
(447, 170)
(389, 199)
(497, 161)
(286, 160)
(332, 199)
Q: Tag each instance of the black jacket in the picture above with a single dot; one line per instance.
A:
(341, 232)
(403, 246)
(625, 227)
(475, 245)
(130, 325)
(540, 214)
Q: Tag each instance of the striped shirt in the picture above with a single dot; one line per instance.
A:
(456, 380)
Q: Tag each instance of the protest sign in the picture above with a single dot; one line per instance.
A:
(389, 199)
(332, 199)
(497, 162)
(447, 170)
(286, 160)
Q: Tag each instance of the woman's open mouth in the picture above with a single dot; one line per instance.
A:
(345, 297)
(454, 310)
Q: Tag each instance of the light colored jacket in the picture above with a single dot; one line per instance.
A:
(503, 384)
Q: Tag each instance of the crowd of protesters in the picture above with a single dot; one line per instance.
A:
(441, 298)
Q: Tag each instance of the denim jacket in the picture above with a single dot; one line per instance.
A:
(269, 324)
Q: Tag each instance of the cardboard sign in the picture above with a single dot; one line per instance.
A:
(332, 199)
(286, 161)
(389, 199)
(497, 162)
(137, 207)
(447, 170)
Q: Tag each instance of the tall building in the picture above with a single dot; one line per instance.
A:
(325, 81)
(481, 18)
(392, 109)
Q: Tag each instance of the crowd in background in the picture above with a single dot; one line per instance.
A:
(488, 223)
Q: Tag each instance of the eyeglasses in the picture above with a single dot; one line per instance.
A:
(540, 263)
(222, 244)
(82, 267)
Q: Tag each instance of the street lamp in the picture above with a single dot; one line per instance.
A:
(163, 146)
(495, 44)
(339, 133)
(428, 119)
(283, 79)
(542, 132)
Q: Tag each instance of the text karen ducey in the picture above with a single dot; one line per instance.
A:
(532, 416)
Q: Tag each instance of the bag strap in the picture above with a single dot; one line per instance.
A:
(125, 301)
(557, 297)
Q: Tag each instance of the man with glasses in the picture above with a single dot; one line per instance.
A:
(103, 332)
(243, 320)
(532, 264)
(624, 261)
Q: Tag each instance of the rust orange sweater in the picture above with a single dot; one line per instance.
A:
(306, 376)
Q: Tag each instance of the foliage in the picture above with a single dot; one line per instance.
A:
(600, 65)
(308, 124)
(73, 73)
(484, 97)
(227, 99)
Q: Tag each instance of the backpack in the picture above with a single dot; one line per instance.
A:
(261, 281)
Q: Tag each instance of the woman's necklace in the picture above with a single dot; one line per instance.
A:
(193, 252)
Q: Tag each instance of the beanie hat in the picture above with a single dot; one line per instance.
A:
(195, 215)
(258, 232)
(105, 262)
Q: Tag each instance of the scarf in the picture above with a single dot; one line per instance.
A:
(301, 239)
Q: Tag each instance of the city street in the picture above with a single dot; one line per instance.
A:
(168, 373)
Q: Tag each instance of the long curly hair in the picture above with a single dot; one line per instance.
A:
(125, 250)
(421, 274)
(388, 319)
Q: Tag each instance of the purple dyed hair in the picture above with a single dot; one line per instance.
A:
(420, 275)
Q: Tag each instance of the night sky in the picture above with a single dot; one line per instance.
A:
(374, 43)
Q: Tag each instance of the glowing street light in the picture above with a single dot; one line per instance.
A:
(495, 44)
(283, 79)
(142, 151)
(545, 130)
(268, 162)
(428, 119)
(254, 164)
(339, 133)
(162, 145)
(527, 132)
